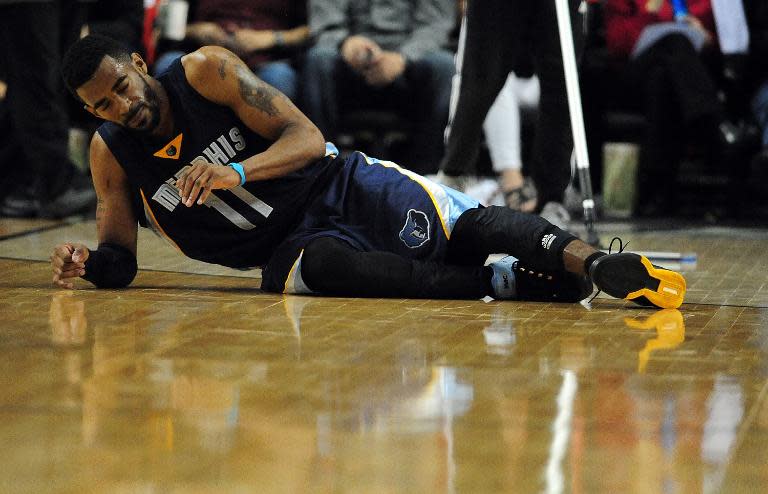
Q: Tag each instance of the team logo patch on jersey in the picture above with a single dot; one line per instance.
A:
(415, 232)
(172, 149)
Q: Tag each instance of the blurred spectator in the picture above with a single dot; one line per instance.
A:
(266, 34)
(517, 101)
(33, 37)
(8, 146)
(502, 129)
(756, 75)
(500, 37)
(122, 20)
(666, 56)
(382, 54)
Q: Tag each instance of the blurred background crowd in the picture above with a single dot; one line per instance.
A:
(675, 94)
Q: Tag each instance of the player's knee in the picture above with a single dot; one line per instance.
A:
(322, 264)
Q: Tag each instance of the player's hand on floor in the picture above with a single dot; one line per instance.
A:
(67, 262)
(197, 181)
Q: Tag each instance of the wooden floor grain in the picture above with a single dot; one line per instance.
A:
(202, 383)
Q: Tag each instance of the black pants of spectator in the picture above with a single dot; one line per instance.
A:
(496, 32)
(680, 106)
(331, 266)
(9, 150)
(420, 96)
(33, 37)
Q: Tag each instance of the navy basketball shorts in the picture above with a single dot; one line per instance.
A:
(372, 205)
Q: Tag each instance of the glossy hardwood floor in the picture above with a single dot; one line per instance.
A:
(201, 383)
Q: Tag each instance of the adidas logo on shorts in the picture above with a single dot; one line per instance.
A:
(546, 240)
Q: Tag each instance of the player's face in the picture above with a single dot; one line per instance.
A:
(120, 92)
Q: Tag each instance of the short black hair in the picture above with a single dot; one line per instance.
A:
(84, 57)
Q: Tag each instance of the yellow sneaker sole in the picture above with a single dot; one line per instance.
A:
(670, 292)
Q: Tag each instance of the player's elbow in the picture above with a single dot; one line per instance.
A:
(317, 143)
(309, 137)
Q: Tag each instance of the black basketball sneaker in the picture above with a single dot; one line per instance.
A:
(633, 277)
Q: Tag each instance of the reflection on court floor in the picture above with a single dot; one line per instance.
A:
(199, 382)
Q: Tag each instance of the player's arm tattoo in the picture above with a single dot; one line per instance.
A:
(223, 68)
(256, 93)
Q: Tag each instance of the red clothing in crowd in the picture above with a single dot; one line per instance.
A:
(626, 19)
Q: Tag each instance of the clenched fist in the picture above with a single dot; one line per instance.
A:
(68, 261)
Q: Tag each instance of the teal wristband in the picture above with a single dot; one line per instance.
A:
(239, 169)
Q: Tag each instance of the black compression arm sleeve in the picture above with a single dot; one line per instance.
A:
(110, 266)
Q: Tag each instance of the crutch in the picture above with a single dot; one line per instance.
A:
(577, 118)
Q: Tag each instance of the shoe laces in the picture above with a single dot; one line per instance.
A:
(622, 246)
(531, 273)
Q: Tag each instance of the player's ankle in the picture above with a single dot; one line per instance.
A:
(578, 256)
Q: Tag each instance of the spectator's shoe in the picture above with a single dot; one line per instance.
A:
(19, 206)
(511, 281)
(485, 191)
(77, 199)
(522, 198)
(633, 277)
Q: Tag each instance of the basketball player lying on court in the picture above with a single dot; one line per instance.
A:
(230, 172)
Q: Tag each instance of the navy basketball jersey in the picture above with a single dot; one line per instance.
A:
(239, 227)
